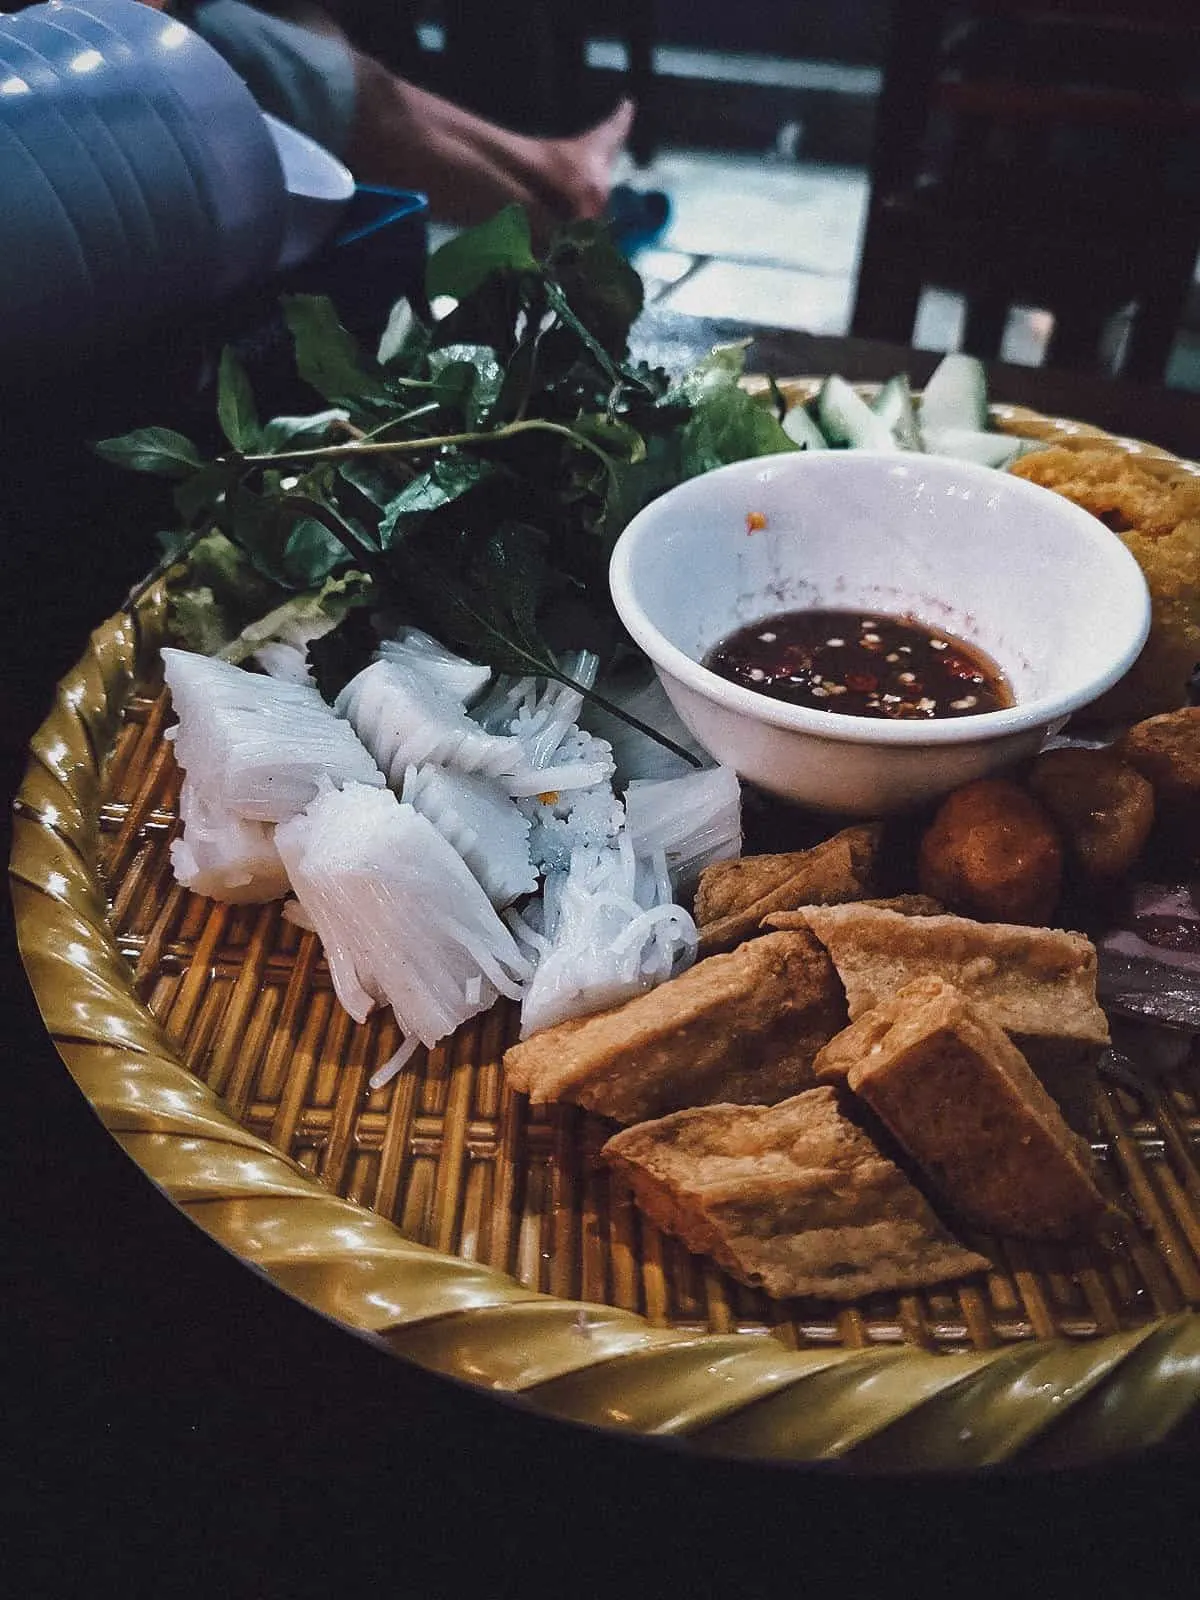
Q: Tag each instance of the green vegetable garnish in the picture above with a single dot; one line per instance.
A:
(477, 470)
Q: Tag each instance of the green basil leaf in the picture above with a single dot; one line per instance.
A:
(236, 411)
(311, 552)
(730, 425)
(484, 600)
(198, 499)
(293, 551)
(448, 479)
(472, 375)
(372, 482)
(327, 356)
(604, 292)
(282, 432)
(463, 263)
(160, 451)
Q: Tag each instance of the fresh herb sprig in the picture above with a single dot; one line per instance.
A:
(475, 470)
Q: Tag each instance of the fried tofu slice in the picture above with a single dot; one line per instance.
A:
(734, 897)
(908, 905)
(1031, 981)
(741, 1027)
(1038, 984)
(964, 1103)
(794, 1199)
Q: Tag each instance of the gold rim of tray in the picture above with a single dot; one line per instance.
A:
(1043, 1401)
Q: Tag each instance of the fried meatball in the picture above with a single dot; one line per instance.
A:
(992, 853)
(1166, 751)
(1103, 807)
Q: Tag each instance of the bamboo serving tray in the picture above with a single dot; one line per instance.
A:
(483, 1239)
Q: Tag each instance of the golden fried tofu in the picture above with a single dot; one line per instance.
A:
(1156, 514)
(793, 1198)
(1039, 981)
(1038, 984)
(962, 1100)
(734, 897)
(908, 905)
(739, 1027)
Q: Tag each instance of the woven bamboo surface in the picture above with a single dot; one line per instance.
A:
(210, 1041)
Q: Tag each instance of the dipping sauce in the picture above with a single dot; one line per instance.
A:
(862, 664)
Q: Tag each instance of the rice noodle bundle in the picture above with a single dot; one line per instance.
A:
(604, 931)
(565, 821)
(482, 824)
(542, 714)
(285, 654)
(405, 719)
(461, 679)
(400, 916)
(694, 820)
(225, 856)
(256, 746)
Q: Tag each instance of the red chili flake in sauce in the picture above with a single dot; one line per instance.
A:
(861, 664)
(755, 522)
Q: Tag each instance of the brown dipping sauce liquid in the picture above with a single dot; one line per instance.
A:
(862, 664)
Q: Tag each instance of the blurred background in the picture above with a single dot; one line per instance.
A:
(1065, 126)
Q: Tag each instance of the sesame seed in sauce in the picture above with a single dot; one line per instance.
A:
(891, 667)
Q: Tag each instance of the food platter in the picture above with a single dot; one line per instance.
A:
(482, 1239)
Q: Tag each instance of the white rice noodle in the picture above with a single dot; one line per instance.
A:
(636, 754)
(286, 655)
(543, 715)
(400, 916)
(482, 824)
(288, 662)
(395, 1063)
(550, 710)
(569, 820)
(258, 747)
(694, 821)
(604, 944)
(405, 719)
(224, 856)
(581, 761)
(463, 680)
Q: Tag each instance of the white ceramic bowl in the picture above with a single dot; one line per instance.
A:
(1037, 584)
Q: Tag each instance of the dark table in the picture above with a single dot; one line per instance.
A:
(173, 1419)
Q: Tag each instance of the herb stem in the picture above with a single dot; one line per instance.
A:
(615, 710)
(334, 452)
(358, 549)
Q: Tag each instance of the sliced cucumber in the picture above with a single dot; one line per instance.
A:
(955, 397)
(894, 405)
(971, 444)
(847, 419)
(802, 430)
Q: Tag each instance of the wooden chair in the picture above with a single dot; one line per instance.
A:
(989, 211)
